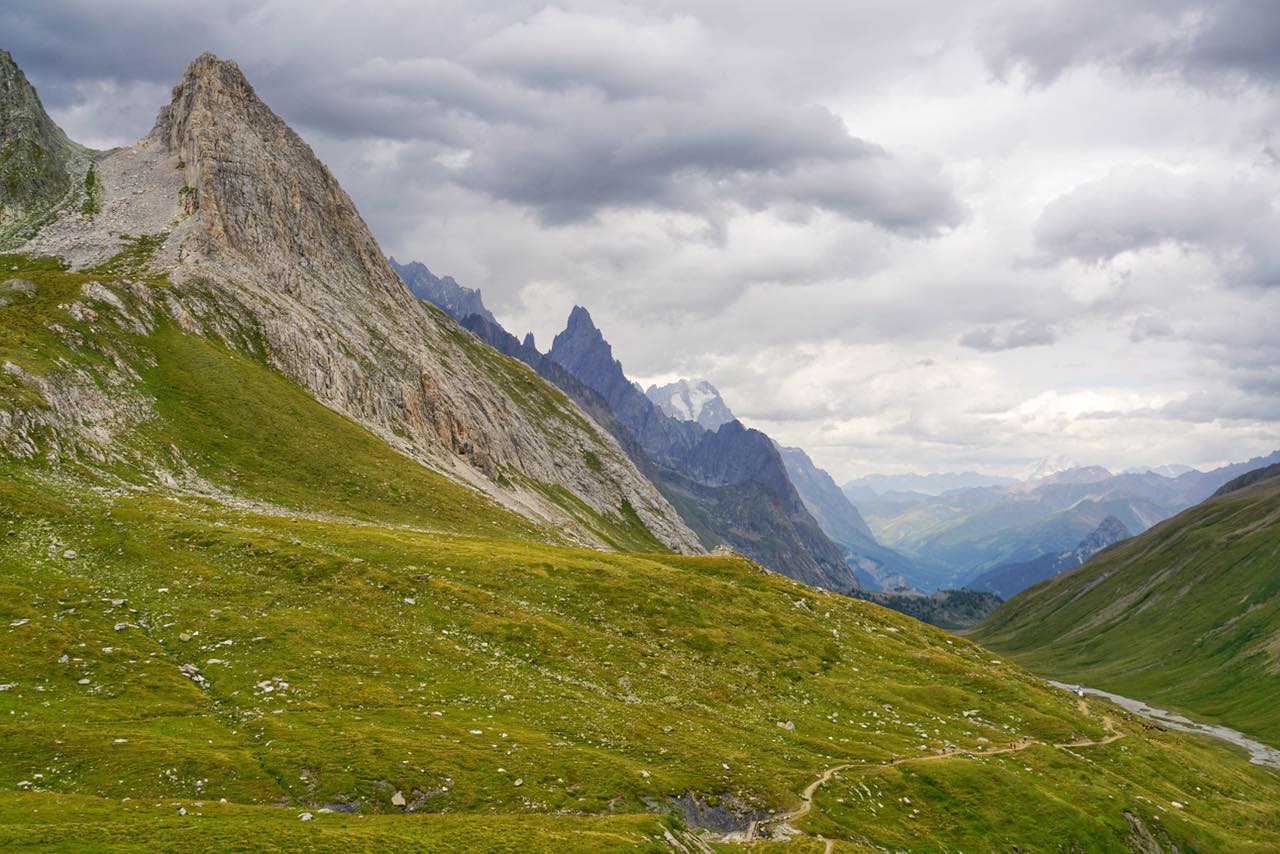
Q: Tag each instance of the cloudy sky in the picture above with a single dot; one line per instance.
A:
(907, 235)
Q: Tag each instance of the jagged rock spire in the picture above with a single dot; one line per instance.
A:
(259, 190)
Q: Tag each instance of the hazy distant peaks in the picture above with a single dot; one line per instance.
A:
(1047, 466)
(442, 292)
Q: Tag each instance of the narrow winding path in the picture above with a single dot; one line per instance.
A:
(806, 797)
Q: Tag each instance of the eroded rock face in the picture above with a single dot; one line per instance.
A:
(39, 166)
(260, 235)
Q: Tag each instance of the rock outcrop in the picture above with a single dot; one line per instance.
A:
(41, 170)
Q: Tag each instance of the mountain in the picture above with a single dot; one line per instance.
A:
(726, 488)
(446, 294)
(730, 484)
(955, 536)
(876, 566)
(1012, 578)
(696, 400)
(1186, 614)
(1171, 470)
(1047, 466)
(876, 485)
(1249, 479)
(42, 172)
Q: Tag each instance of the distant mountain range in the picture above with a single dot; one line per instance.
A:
(874, 486)
(767, 501)
(955, 536)
(444, 293)
(1187, 613)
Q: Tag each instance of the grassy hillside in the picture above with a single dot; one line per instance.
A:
(1187, 614)
(243, 608)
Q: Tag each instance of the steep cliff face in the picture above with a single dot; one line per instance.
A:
(270, 254)
(40, 169)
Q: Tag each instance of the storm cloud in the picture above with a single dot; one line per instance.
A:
(906, 236)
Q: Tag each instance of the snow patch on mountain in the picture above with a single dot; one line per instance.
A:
(692, 400)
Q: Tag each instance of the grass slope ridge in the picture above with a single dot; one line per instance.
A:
(1187, 614)
(1248, 479)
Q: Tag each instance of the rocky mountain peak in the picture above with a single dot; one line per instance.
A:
(692, 400)
(581, 324)
(258, 191)
(583, 351)
(444, 292)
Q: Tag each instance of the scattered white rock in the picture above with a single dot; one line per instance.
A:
(17, 623)
(306, 816)
(409, 600)
(69, 554)
(193, 673)
(787, 725)
(8, 686)
(83, 681)
(1178, 805)
(519, 781)
(182, 810)
(397, 799)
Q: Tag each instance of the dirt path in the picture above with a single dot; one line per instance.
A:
(806, 797)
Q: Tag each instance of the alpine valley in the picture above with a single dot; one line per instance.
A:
(300, 549)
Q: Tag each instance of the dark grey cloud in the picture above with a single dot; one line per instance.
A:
(1025, 333)
(565, 112)
(1206, 43)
